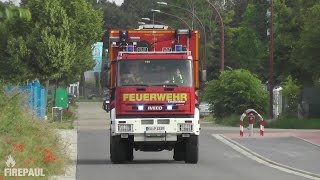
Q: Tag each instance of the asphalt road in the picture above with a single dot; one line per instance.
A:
(216, 161)
(290, 151)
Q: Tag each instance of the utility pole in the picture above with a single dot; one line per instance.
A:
(271, 56)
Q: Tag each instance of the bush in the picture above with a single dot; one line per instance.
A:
(291, 92)
(234, 92)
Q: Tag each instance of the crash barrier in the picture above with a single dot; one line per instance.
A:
(250, 113)
(34, 97)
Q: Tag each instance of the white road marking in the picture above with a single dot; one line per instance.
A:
(258, 158)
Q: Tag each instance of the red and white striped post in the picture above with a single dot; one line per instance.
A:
(241, 127)
(251, 121)
(261, 127)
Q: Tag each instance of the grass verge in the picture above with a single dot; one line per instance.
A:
(285, 122)
(68, 117)
(31, 143)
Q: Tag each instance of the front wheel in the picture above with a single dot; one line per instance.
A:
(179, 152)
(117, 149)
(130, 153)
(192, 150)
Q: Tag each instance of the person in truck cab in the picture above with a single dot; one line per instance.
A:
(177, 78)
(133, 77)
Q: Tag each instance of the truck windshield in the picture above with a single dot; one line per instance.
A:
(155, 73)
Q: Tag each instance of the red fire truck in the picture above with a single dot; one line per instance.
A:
(153, 80)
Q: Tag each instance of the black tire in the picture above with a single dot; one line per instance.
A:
(179, 152)
(192, 150)
(118, 150)
(129, 153)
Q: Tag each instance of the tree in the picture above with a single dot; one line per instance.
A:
(55, 44)
(307, 53)
(293, 53)
(85, 30)
(245, 48)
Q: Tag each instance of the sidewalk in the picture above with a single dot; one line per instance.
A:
(70, 138)
(297, 149)
(309, 135)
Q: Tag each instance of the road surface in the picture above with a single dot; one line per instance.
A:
(216, 161)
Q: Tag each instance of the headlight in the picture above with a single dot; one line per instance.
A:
(140, 107)
(125, 128)
(169, 107)
(107, 101)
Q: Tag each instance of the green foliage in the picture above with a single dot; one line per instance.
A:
(245, 47)
(27, 139)
(291, 92)
(296, 40)
(307, 52)
(85, 30)
(231, 120)
(284, 122)
(54, 44)
(234, 92)
(79, 26)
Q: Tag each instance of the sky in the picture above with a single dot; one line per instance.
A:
(118, 2)
(16, 2)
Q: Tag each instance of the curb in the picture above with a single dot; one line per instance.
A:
(249, 153)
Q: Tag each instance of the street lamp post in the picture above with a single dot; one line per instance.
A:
(158, 11)
(221, 34)
(148, 19)
(141, 23)
(153, 11)
(201, 24)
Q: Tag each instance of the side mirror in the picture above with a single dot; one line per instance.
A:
(106, 66)
(203, 76)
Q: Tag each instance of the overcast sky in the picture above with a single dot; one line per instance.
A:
(118, 2)
(16, 2)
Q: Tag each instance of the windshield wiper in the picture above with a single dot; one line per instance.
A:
(135, 85)
(166, 84)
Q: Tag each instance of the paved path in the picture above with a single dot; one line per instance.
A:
(217, 160)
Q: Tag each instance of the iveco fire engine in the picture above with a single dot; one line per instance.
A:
(152, 108)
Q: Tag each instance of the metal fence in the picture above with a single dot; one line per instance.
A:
(34, 97)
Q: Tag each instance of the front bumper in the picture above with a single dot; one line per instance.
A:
(156, 129)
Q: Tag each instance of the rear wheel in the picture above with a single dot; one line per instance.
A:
(118, 150)
(192, 150)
